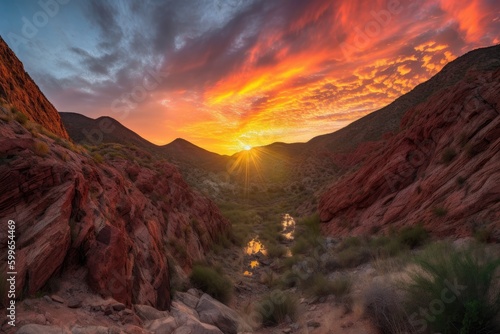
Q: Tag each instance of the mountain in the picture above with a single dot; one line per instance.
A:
(297, 173)
(123, 217)
(371, 127)
(440, 169)
(19, 91)
(85, 130)
(89, 131)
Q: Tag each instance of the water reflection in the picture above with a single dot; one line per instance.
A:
(255, 250)
(254, 246)
(288, 224)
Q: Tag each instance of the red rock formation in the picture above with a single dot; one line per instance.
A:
(116, 219)
(19, 90)
(120, 219)
(441, 169)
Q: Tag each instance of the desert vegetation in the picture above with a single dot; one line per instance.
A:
(211, 281)
(449, 289)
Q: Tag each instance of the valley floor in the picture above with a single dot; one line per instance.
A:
(331, 290)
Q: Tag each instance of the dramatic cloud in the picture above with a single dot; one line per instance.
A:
(229, 73)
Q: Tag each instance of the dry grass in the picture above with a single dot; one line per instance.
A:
(275, 307)
(41, 149)
(384, 307)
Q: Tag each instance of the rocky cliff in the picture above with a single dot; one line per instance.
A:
(120, 218)
(441, 169)
(21, 92)
(116, 211)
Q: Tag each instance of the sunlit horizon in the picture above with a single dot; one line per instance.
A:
(229, 76)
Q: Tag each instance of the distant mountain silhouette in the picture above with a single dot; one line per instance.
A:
(85, 130)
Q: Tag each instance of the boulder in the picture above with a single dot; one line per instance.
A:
(163, 325)
(196, 327)
(146, 312)
(215, 313)
(188, 299)
(183, 313)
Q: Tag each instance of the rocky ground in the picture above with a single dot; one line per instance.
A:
(75, 309)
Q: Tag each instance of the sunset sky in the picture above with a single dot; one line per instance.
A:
(225, 74)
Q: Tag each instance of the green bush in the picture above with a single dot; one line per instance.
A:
(483, 235)
(41, 149)
(290, 261)
(458, 288)
(350, 242)
(97, 158)
(290, 279)
(301, 246)
(413, 236)
(276, 251)
(311, 224)
(276, 306)
(384, 307)
(19, 116)
(320, 286)
(212, 282)
(353, 257)
(385, 247)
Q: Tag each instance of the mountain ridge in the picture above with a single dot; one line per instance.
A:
(19, 91)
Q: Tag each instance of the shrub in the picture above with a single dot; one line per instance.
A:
(41, 149)
(413, 236)
(384, 247)
(462, 283)
(48, 133)
(353, 257)
(97, 158)
(301, 246)
(448, 155)
(212, 282)
(269, 278)
(483, 235)
(290, 261)
(276, 251)
(350, 242)
(384, 307)
(276, 306)
(19, 116)
(312, 224)
(291, 278)
(440, 211)
(320, 286)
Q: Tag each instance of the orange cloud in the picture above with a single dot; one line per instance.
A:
(471, 16)
(295, 81)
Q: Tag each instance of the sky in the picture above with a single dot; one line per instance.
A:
(233, 74)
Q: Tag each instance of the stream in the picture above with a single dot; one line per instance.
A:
(256, 251)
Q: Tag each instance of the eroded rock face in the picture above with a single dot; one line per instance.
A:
(19, 90)
(442, 169)
(119, 219)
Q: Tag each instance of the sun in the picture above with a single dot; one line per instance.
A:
(247, 147)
